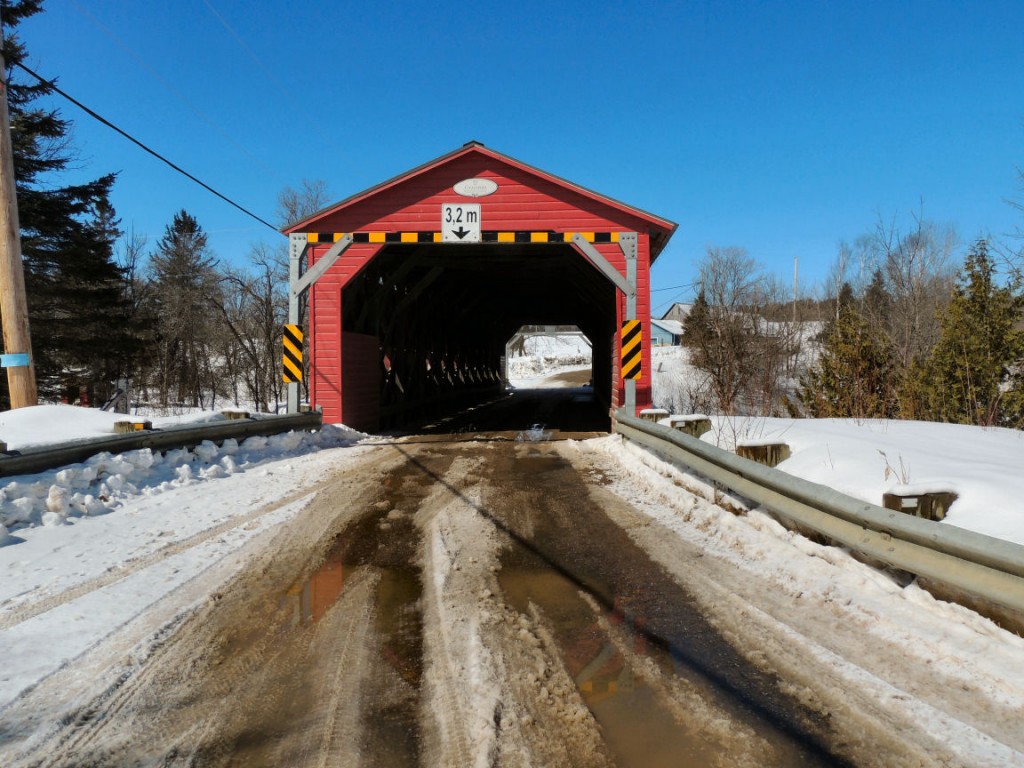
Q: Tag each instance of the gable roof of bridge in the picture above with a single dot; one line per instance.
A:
(660, 229)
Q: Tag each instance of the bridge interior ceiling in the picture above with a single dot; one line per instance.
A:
(451, 308)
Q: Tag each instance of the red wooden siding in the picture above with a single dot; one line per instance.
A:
(360, 397)
(526, 200)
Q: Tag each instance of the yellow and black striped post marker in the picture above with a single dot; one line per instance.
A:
(292, 354)
(632, 350)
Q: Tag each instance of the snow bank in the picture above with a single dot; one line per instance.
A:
(107, 481)
(47, 424)
(867, 458)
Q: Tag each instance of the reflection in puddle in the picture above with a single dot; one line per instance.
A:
(380, 544)
(636, 727)
(611, 660)
(665, 686)
(311, 599)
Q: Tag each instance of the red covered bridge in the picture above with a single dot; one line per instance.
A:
(432, 272)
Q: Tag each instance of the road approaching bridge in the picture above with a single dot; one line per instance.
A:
(517, 593)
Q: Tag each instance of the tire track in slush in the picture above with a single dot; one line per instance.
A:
(178, 696)
(323, 651)
(540, 502)
(133, 566)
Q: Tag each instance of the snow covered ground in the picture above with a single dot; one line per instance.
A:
(543, 355)
(106, 481)
(121, 532)
(91, 547)
(862, 458)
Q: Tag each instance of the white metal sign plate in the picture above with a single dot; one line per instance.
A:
(476, 187)
(460, 222)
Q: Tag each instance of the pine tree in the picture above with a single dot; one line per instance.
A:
(853, 378)
(697, 324)
(186, 292)
(876, 306)
(971, 375)
(74, 287)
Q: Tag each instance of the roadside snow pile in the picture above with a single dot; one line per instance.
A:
(865, 458)
(48, 424)
(544, 354)
(107, 481)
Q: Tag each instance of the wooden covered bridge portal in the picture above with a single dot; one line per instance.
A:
(417, 284)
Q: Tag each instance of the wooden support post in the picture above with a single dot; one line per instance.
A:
(769, 454)
(694, 426)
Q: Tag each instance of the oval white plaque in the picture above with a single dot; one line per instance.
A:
(476, 187)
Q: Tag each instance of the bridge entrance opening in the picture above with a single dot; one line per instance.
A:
(441, 317)
(417, 285)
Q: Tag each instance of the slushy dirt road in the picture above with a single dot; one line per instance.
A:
(465, 602)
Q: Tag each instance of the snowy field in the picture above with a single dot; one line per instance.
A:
(984, 467)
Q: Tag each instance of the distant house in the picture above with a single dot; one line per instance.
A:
(666, 333)
(677, 312)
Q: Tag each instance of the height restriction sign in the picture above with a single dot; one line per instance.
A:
(460, 223)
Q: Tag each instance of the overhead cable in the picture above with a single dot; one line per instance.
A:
(176, 92)
(50, 84)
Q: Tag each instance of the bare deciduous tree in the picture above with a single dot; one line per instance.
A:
(917, 269)
(254, 310)
(920, 273)
(296, 204)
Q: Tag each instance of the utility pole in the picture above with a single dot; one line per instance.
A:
(21, 375)
(796, 289)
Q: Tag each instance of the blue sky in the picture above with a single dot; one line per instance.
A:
(782, 128)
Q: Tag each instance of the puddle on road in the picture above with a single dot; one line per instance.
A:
(383, 540)
(637, 726)
(638, 730)
(575, 549)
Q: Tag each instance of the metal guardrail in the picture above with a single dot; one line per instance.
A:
(41, 458)
(979, 566)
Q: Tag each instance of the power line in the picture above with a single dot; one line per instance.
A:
(673, 288)
(670, 301)
(139, 144)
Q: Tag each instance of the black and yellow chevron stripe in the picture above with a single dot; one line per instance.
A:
(487, 236)
(632, 349)
(292, 358)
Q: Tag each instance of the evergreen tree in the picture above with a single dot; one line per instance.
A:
(697, 324)
(971, 376)
(876, 306)
(74, 287)
(186, 293)
(853, 378)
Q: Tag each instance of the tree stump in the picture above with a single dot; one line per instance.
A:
(653, 414)
(124, 426)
